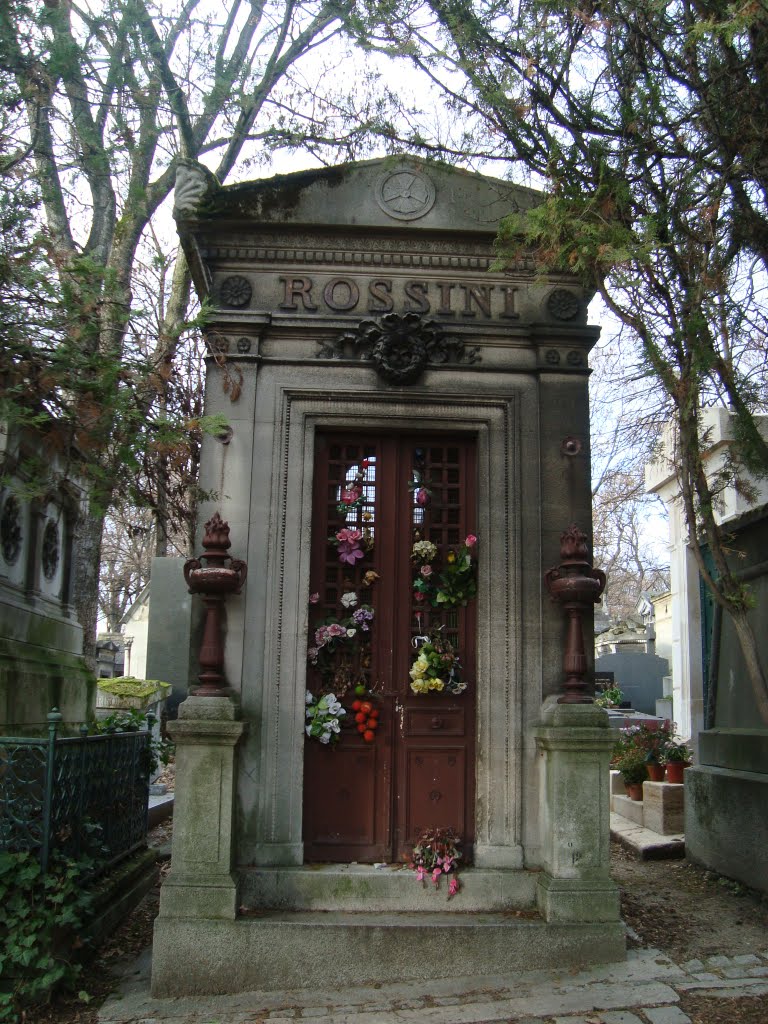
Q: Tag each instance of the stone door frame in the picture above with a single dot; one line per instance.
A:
(495, 422)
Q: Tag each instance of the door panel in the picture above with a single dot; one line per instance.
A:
(369, 801)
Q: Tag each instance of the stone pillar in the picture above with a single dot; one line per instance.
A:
(201, 883)
(575, 743)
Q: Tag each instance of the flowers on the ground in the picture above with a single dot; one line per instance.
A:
(437, 667)
(323, 714)
(435, 854)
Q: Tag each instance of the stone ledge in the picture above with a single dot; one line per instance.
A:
(362, 887)
(295, 950)
(643, 843)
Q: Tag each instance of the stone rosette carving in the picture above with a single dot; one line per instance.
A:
(563, 305)
(236, 291)
(50, 550)
(10, 530)
(405, 193)
(400, 347)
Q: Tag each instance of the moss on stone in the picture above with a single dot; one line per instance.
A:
(127, 686)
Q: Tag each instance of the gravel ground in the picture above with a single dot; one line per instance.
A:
(670, 905)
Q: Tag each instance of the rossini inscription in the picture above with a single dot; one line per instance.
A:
(444, 298)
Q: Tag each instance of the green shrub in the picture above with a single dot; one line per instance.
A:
(42, 920)
(133, 720)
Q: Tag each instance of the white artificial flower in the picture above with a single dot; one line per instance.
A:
(334, 725)
(334, 708)
(309, 698)
(349, 600)
(308, 730)
(325, 738)
(351, 632)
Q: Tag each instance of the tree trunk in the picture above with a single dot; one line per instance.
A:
(755, 672)
(85, 589)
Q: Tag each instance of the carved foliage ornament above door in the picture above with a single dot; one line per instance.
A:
(400, 347)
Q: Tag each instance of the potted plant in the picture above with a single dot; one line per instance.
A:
(677, 757)
(610, 697)
(631, 764)
(652, 739)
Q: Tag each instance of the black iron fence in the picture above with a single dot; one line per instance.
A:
(56, 792)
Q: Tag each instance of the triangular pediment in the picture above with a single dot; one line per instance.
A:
(400, 193)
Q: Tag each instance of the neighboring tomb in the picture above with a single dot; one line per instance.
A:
(394, 407)
(41, 642)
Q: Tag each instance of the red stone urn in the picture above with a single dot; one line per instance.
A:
(214, 582)
(575, 585)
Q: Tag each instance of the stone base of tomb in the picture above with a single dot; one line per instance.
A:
(282, 950)
(222, 931)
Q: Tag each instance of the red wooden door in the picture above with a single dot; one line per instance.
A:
(369, 801)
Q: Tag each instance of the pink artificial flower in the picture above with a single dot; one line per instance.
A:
(436, 877)
(350, 495)
(447, 864)
(421, 874)
(470, 540)
(422, 496)
(418, 596)
(426, 570)
(350, 555)
(453, 886)
(314, 598)
(347, 536)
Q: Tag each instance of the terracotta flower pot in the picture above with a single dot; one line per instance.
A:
(655, 771)
(675, 771)
(634, 790)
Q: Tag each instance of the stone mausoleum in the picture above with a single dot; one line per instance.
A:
(407, 441)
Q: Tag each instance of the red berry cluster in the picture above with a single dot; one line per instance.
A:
(366, 719)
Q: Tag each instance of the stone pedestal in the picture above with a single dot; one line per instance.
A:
(575, 744)
(200, 882)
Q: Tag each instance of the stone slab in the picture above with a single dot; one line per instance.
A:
(630, 809)
(663, 808)
(738, 749)
(643, 843)
(725, 822)
(260, 953)
(160, 808)
(363, 887)
(133, 1001)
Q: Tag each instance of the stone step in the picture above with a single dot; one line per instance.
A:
(279, 950)
(390, 887)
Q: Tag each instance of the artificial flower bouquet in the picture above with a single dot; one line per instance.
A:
(452, 586)
(437, 667)
(435, 854)
(323, 717)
